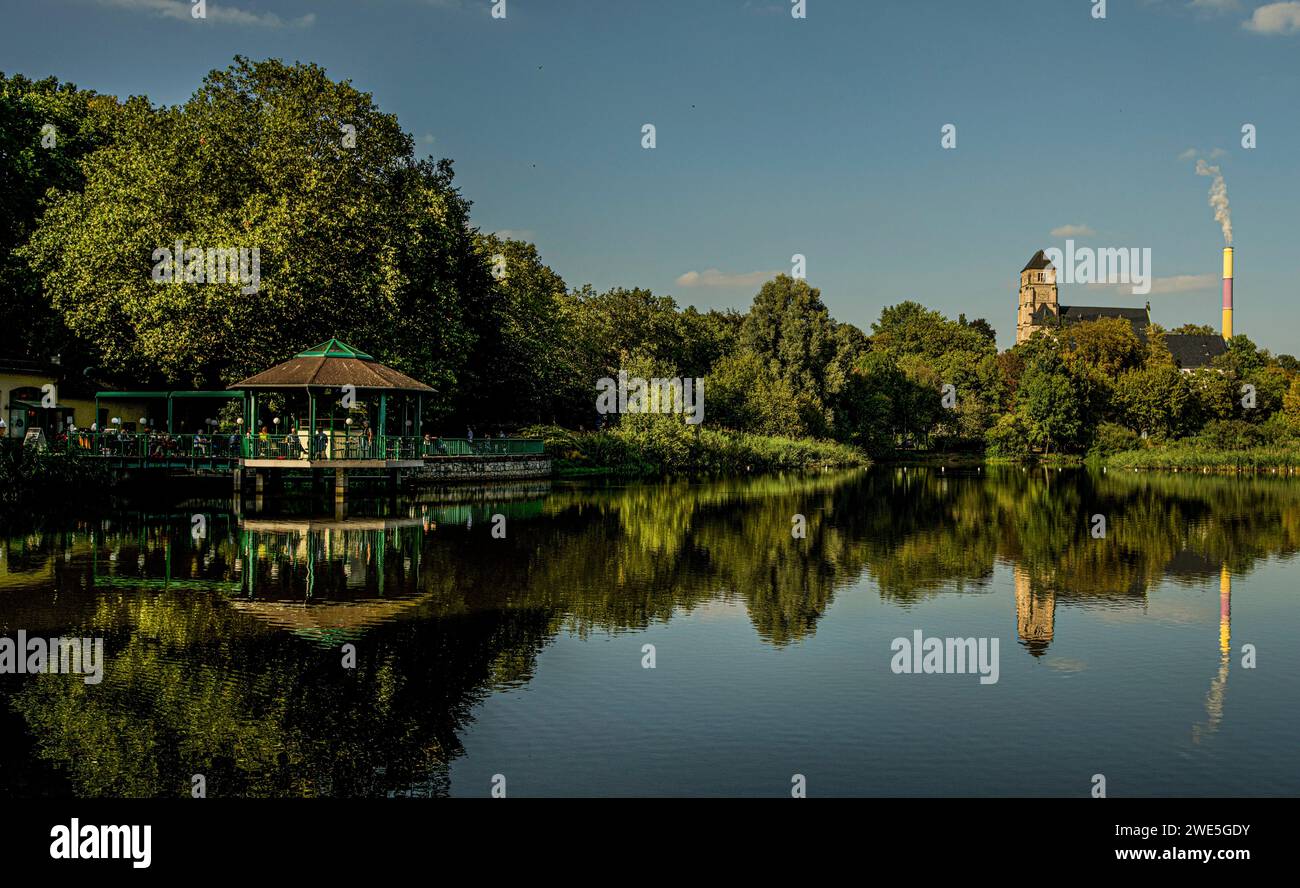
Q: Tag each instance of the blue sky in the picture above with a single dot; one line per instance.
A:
(778, 136)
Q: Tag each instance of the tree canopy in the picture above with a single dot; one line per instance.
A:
(356, 237)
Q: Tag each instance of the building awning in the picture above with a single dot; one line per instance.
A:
(36, 405)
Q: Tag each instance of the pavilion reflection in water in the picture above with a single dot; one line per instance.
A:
(324, 578)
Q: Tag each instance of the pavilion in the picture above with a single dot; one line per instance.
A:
(332, 407)
(329, 407)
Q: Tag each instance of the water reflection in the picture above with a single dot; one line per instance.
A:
(224, 649)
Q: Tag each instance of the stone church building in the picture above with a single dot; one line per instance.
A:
(1040, 309)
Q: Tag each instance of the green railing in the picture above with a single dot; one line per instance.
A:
(152, 446)
(164, 447)
(481, 447)
(332, 446)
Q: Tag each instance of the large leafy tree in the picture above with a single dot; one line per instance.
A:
(790, 330)
(523, 365)
(46, 128)
(357, 238)
(1052, 404)
(910, 328)
(935, 351)
(1110, 345)
(893, 408)
(1156, 400)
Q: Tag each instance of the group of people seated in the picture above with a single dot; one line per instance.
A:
(322, 444)
(154, 444)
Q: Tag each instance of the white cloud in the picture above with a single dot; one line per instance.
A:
(1072, 231)
(1168, 286)
(712, 277)
(1275, 18)
(230, 15)
(1217, 153)
(1184, 283)
(1189, 154)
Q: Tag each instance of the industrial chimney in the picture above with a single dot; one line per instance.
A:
(1227, 293)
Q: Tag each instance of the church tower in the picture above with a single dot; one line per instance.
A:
(1037, 292)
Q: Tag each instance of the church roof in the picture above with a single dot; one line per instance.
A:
(1193, 351)
(1039, 260)
(1073, 314)
(1065, 315)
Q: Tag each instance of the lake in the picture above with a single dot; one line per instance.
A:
(419, 646)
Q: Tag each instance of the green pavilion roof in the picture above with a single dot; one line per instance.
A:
(334, 349)
(332, 364)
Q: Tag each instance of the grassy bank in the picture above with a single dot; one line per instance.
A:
(1184, 456)
(962, 459)
(665, 449)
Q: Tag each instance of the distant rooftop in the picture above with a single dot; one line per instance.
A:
(1193, 351)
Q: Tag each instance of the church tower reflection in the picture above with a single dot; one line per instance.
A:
(1035, 613)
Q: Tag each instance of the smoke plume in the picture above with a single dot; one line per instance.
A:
(1218, 198)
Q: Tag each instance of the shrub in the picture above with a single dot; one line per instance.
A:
(671, 447)
(1008, 437)
(29, 476)
(1113, 438)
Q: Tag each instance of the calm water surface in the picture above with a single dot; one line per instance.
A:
(523, 656)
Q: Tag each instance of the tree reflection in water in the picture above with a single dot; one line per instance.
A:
(224, 653)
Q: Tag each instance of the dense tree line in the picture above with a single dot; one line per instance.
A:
(361, 239)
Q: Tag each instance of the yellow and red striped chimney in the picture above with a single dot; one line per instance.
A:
(1227, 293)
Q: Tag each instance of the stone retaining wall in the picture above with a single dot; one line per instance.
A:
(479, 468)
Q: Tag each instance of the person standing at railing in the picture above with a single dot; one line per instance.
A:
(294, 442)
